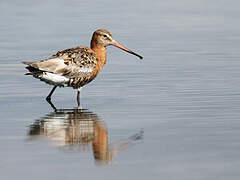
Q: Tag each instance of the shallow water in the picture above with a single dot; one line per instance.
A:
(173, 115)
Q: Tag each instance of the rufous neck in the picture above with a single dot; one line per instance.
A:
(100, 51)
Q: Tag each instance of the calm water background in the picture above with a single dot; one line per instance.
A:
(185, 94)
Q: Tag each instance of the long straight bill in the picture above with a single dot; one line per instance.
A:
(114, 43)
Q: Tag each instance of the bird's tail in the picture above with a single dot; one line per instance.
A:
(27, 63)
(28, 73)
(32, 70)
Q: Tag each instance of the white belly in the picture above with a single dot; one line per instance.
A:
(54, 79)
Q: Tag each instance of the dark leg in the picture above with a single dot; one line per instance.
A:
(52, 105)
(78, 96)
(50, 94)
(49, 98)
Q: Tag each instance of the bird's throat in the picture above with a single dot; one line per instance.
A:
(101, 53)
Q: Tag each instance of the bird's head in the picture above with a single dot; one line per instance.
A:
(104, 38)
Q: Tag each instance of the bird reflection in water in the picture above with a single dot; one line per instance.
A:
(81, 130)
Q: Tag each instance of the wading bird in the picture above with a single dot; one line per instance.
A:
(77, 66)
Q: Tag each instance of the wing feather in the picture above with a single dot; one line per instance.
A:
(71, 63)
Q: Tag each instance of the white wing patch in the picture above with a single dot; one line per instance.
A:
(85, 70)
(73, 71)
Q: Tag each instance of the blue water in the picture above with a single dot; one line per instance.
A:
(173, 115)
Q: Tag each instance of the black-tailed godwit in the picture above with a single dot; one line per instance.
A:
(77, 66)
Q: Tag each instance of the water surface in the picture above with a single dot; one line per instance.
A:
(174, 115)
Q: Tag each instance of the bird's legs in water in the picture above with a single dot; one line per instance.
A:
(78, 96)
(48, 98)
(53, 89)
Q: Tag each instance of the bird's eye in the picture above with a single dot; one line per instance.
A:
(105, 36)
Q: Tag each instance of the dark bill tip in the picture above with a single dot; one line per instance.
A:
(131, 52)
(114, 43)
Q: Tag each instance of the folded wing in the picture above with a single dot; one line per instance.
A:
(73, 65)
